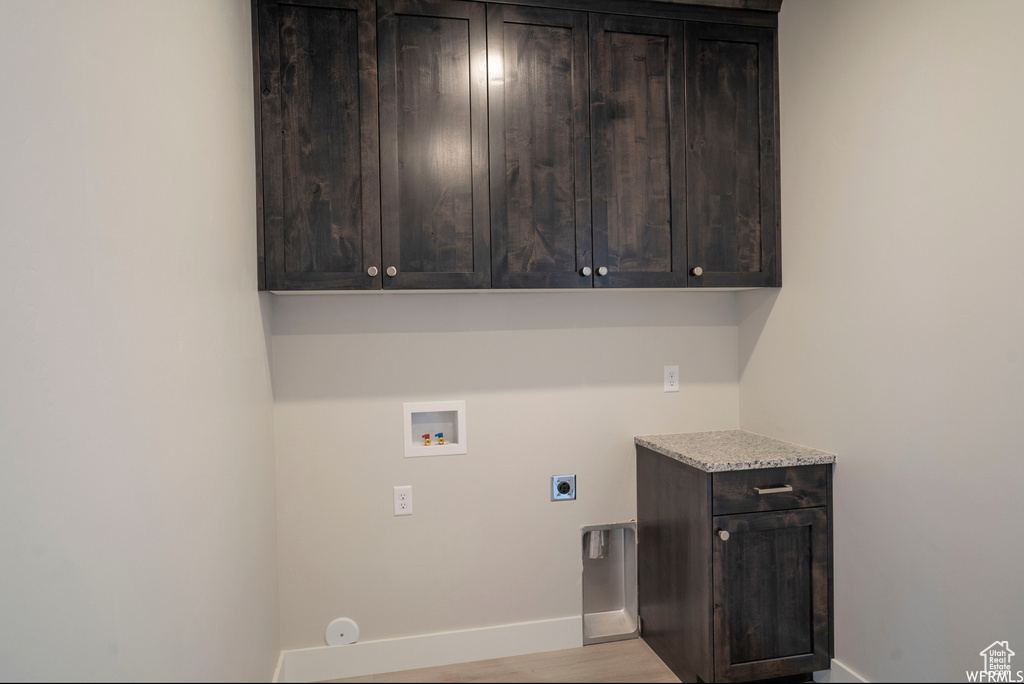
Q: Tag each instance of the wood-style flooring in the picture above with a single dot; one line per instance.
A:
(618, 661)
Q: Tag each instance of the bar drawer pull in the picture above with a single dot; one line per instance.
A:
(774, 490)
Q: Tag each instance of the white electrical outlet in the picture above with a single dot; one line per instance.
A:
(403, 500)
(671, 378)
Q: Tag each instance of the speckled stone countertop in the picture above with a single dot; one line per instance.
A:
(715, 452)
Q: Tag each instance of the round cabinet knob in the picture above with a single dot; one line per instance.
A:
(392, 271)
(585, 271)
(723, 535)
(697, 270)
(372, 271)
(603, 271)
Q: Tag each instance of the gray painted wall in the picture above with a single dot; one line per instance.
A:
(553, 383)
(896, 339)
(137, 529)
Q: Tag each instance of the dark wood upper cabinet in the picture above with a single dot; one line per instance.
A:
(318, 122)
(539, 147)
(455, 144)
(433, 123)
(731, 155)
(638, 151)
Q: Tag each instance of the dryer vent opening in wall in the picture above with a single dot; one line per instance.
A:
(609, 583)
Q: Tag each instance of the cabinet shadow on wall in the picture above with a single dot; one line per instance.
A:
(346, 314)
(753, 310)
(338, 346)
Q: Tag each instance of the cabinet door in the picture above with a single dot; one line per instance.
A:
(731, 160)
(433, 122)
(538, 101)
(321, 193)
(771, 594)
(638, 151)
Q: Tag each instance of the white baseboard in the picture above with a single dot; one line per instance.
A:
(429, 650)
(839, 674)
(445, 648)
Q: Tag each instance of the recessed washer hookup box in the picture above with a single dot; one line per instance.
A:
(434, 428)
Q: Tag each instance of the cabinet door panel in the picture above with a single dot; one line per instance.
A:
(319, 144)
(771, 594)
(433, 122)
(540, 147)
(731, 155)
(638, 151)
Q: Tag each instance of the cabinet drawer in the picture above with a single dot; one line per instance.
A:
(769, 489)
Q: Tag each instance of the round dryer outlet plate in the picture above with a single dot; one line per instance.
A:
(563, 487)
(341, 631)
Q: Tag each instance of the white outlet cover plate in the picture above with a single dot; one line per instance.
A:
(671, 378)
(403, 493)
(341, 631)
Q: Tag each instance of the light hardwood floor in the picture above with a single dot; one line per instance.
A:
(618, 661)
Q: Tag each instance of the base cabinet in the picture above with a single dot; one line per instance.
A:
(735, 569)
(771, 594)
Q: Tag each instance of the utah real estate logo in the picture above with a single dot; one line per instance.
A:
(996, 668)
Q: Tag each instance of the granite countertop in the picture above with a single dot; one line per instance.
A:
(715, 452)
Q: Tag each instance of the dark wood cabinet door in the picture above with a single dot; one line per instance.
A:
(731, 155)
(319, 144)
(538, 100)
(771, 610)
(638, 151)
(433, 125)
